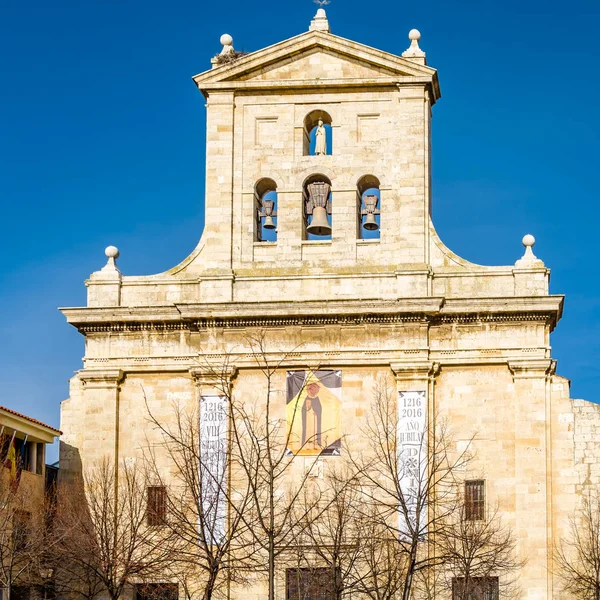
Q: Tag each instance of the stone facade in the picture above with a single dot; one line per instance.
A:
(475, 338)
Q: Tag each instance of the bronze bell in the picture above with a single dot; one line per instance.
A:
(269, 224)
(318, 194)
(268, 206)
(319, 224)
(370, 223)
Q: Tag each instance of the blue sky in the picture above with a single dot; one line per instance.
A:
(102, 142)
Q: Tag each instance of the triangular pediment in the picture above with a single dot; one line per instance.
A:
(316, 56)
(318, 63)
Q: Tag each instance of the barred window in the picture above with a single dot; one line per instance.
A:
(475, 588)
(311, 584)
(156, 591)
(156, 510)
(475, 500)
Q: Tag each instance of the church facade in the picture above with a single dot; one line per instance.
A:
(318, 235)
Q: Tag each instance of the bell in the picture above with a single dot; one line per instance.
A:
(269, 224)
(319, 224)
(370, 223)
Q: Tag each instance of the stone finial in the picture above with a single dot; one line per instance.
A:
(112, 253)
(529, 259)
(227, 43)
(320, 22)
(413, 51)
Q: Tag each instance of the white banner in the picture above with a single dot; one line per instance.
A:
(412, 460)
(213, 468)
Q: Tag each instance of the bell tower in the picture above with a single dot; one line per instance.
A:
(318, 164)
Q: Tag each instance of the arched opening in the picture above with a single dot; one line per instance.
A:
(368, 198)
(318, 134)
(265, 208)
(317, 207)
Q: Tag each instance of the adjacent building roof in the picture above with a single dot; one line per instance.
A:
(35, 429)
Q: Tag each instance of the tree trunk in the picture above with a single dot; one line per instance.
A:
(408, 579)
(271, 568)
(210, 585)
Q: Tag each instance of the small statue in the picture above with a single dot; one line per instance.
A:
(320, 139)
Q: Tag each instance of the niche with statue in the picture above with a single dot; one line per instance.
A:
(318, 133)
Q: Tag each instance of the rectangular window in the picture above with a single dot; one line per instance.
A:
(156, 511)
(476, 588)
(156, 591)
(310, 584)
(475, 500)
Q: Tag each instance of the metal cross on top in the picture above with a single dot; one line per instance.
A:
(322, 3)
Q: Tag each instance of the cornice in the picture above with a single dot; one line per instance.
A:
(101, 378)
(429, 311)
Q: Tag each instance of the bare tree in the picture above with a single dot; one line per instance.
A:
(209, 538)
(104, 538)
(261, 460)
(330, 531)
(478, 555)
(22, 521)
(411, 489)
(578, 557)
(382, 565)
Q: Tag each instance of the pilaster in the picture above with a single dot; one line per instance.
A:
(418, 376)
(211, 381)
(533, 472)
(100, 391)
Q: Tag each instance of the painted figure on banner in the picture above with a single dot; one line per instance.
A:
(311, 418)
(314, 412)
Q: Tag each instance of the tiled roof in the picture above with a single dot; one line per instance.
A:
(14, 412)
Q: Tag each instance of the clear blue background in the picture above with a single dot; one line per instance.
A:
(102, 142)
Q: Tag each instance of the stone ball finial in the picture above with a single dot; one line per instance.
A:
(413, 51)
(112, 252)
(226, 40)
(528, 240)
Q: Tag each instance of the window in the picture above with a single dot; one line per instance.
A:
(368, 197)
(156, 591)
(475, 500)
(317, 207)
(20, 530)
(265, 197)
(21, 592)
(475, 588)
(318, 134)
(311, 584)
(156, 511)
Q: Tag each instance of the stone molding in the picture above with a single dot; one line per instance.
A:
(429, 310)
(415, 371)
(209, 376)
(532, 369)
(101, 378)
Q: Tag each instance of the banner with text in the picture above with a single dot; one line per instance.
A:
(412, 461)
(213, 468)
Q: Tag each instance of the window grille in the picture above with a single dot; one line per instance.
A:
(475, 588)
(156, 512)
(475, 500)
(156, 591)
(311, 584)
